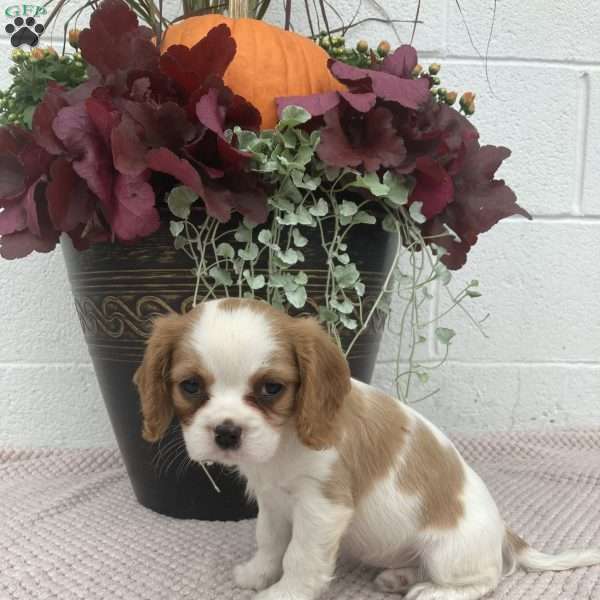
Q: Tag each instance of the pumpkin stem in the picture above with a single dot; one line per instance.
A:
(239, 9)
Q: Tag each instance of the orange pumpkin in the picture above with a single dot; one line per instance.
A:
(269, 62)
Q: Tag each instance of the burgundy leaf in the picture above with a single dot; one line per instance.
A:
(360, 102)
(129, 153)
(165, 125)
(70, 203)
(211, 113)
(31, 204)
(401, 62)
(377, 144)
(242, 113)
(191, 67)
(92, 160)
(316, 104)
(12, 218)
(44, 115)
(22, 243)
(12, 177)
(479, 203)
(434, 187)
(115, 43)
(411, 93)
(165, 161)
(135, 215)
(103, 116)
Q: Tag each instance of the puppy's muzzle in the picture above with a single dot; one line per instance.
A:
(228, 435)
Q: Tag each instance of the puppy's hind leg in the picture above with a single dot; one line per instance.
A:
(431, 591)
(397, 581)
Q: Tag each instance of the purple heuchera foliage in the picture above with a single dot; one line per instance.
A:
(97, 153)
(145, 122)
(387, 120)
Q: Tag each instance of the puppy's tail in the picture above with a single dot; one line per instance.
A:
(517, 553)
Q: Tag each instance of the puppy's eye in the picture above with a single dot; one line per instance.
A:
(190, 386)
(271, 388)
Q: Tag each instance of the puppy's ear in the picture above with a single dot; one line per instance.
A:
(324, 383)
(152, 377)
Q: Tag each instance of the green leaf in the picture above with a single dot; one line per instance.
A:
(254, 283)
(220, 276)
(343, 258)
(249, 253)
(246, 140)
(348, 322)
(28, 115)
(180, 242)
(423, 376)
(363, 216)
(345, 306)
(444, 335)
(289, 139)
(360, 288)
(299, 240)
(473, 293)
(442, 272)
(288, 219)
(296, 298)
(242, 234)
(348, 209)
(398, 190)
(415, 211)
(320, 209)
(289, 257)
(371, 182)
(304, 217)
(180, 201)
(278, 280)
(346, 275)
(326, 315)
(265, 236)
(292, 116)
(176, 227)
(389, 224)
(332, 173)
(301, 278)
(226, 250)
(248, 224)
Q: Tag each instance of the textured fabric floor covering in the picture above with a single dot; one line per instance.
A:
(71, 528)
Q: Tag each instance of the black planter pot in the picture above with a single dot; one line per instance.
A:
(118, 290)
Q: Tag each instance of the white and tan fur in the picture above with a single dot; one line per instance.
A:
(335, 465)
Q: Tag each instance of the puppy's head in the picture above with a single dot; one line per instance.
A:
(239, 375)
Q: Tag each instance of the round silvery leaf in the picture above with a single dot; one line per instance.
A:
(348, 322)
(226, 250)
(250, 253)
(220, 276)
(180, 200)
(176, 227)
(320, 209)
(299, 240)
(348, 208)
(296, 298)
(444, 334)
(345, 306)
(346, 275)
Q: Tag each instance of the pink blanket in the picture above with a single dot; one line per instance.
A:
(70, 527)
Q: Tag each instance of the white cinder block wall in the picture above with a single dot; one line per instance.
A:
(540, 365)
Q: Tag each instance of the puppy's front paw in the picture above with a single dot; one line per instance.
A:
(279, 592)
(257, 574)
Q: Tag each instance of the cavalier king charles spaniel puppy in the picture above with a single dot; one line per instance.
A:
(335, 465)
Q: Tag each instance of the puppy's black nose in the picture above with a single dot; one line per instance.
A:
(228, 435)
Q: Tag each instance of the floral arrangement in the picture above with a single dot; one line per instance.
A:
(150, 136)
